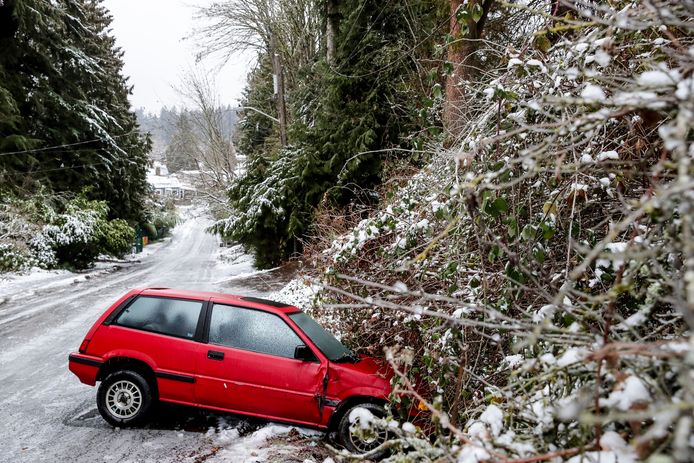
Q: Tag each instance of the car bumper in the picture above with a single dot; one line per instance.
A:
(85, 367)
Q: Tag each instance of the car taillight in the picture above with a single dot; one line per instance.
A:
(83, 346)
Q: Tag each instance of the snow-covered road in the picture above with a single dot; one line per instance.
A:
(46, 414)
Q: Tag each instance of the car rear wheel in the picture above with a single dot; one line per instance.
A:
(124, 398)
(355, 438)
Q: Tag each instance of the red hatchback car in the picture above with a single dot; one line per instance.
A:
(234, 354)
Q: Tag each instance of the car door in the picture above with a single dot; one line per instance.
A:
(249, 367)
(162, 332)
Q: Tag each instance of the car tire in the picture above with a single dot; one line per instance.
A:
(124, 399)
(357, 444)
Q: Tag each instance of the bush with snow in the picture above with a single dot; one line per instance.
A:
(74, 237)
(11, 258)
(535, 284)
(82, 232)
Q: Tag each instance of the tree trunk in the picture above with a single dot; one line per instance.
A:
(454, 94)
(332, 25)
(8, 21)
(462, 55)
(278, 84)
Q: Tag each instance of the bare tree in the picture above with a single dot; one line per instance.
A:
(211, 145)
(291, 28)
(287, 30)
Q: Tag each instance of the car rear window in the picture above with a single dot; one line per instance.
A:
(175, 317)
(252, 330)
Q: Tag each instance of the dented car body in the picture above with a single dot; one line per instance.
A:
(234, 354)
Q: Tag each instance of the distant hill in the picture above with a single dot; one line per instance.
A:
(162, 126)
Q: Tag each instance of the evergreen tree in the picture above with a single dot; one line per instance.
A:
(64, 106)
(346, 118)
(256, 136)
(182, 150)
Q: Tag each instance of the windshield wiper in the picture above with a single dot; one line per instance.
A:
(350, 356)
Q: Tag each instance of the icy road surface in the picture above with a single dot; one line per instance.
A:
(46, 414)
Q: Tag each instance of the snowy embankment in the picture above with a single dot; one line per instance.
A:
(539, 276)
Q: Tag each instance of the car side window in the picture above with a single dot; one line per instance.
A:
(175, 317)
(252, 330)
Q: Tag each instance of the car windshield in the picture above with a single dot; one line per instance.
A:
(323, 339)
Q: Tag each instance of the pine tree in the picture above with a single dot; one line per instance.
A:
(346, 116)
(64, 106)
(182, 150)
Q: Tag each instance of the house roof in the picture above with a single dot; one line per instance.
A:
(160, 181)
(166, 181)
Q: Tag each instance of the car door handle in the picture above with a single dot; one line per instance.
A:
(215, 355)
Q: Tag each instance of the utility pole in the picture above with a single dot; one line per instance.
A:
(278, 86)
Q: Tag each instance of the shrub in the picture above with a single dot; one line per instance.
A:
(42, 251)
(48, 230)
(10, 258)
(118, 238)
(160, 219)
(77, 236)
(537, 282)
(164, 221)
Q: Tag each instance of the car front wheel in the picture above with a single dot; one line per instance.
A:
(124, 398)
(355, 434)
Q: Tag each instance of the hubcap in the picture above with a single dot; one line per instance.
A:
(123, 399)
(366, 440)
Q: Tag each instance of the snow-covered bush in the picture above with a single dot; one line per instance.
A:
(18, 223)
(73, 236)
(35, 234)
(164, 220)
(81, 233)
(11, 258)
(43, 252)
(534, 286)
(118, 238)
(160, 218)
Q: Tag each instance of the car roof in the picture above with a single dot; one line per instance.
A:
(222, 298)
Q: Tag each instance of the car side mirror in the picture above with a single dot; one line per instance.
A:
(303, 353)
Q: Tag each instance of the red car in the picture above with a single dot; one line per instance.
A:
(234, 354)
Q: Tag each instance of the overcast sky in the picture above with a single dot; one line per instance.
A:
(152, 33)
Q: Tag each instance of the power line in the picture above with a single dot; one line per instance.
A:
(67, 145)
(67, 168)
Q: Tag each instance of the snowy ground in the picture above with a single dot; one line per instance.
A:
(48, 415)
